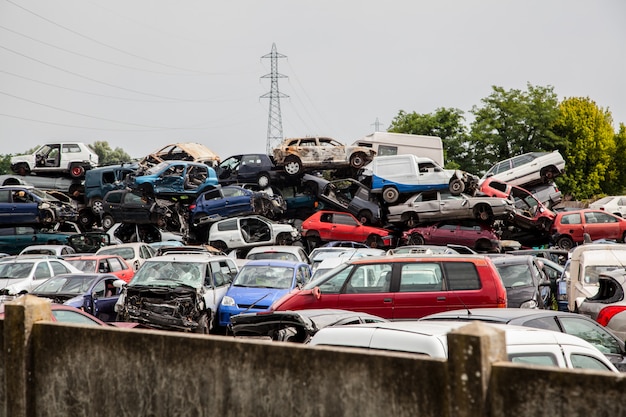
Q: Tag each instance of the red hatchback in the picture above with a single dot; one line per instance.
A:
(569, 227)
(326, 226)
(403, 287)
(102, 264)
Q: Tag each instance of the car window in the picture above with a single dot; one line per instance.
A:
(421, 277)
(42, 271)
(461, 276)
(344, 219)
(573, 218)
(227, 225)
(59, 268)
(547, 323)
(592, 333)
(373, 278)
(115, 265)
(98, 289)
(113, 197)
(334, 284)
(544, 359)
(580, 361)
(212, 195)
(498, 186)
(66, 316)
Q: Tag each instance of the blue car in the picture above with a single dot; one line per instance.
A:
(176, 178)
(92, 293)
(232, 200)
(258, 284)
(24, 205)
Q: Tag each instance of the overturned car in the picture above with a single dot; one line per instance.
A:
(176, 292)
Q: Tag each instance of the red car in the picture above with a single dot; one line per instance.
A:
(326, 226)
(530, 213)
(403, 287)
(569, 227)
(476, 235)
(102, 264)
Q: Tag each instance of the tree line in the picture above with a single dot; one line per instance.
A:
(507, 123)
(512, 122)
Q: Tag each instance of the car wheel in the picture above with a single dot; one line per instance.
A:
(357, 160)
(483, 213)
(77, 171)
(47, 216)
(365, 217)
(624, 237)
(284, 239)
(263, 180)
(313, 241)
(390, 195)
(86, 219)
(412, 221)
(416, 239)
(565, 242)
(203, 324)
(483, 245)
(107, 221)
(456, 186)
(293, 165)
(21, 169)
(374, 241)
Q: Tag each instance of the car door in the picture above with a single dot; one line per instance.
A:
(368, 289)
(441, 234)
(346, 227)
(602, 226)
(171, 180)
(101, 299)
(249, 168)
(134, 208)
(220, 274)
(420, 291)
(24, 209)
(236, 200)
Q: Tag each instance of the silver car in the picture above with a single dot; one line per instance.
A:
(434, 206)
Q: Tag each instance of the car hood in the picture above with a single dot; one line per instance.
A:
(516, 296)
(259, 297)
(14, 285)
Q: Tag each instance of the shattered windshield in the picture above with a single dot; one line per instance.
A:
(168, 274)
(264, 276)
(65, 285)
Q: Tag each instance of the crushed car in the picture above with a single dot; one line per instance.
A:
(28, 205)
(184, 151)
(177, 292)
(126, 206)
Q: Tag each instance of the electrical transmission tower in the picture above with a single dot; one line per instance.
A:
(275, 122)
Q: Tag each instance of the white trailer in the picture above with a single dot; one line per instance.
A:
(386, 143)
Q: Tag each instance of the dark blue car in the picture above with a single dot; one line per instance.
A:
(259, 283)
(175, 179)
(232, 200)
(92, 293)
(24, 205)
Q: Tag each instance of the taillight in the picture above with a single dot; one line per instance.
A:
(191, 207)
(607, 313)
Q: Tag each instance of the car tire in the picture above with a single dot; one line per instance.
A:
(219, 245)
(390, 195)
(483, 213)
(293, 166)
(77, 171)
(366, 217)
(416, 239)
(456, 186)
(565, 242)
(263, 180)
(284, 239)
(96, 206)
(358, 160)
(313, 241)
(203, 324)
(412, 220)
(21, 169)
(107, 221)
(86, 219)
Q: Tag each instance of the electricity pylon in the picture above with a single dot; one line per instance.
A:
(275, 122)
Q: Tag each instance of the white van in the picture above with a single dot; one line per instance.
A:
(387, 143)
(524, 345)
(584, 267)
(401, 174)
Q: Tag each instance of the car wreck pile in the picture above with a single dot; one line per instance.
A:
(310, 190)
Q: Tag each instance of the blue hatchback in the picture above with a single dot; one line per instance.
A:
(176, 178)
(258, 284)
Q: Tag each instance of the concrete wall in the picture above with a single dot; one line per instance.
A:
(85, 371)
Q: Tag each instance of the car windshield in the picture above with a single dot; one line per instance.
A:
(86, 265)
(264, 276)
(16, 270)
(168, 274)
(43, 195)
(285, 256)
(65, 285)
(157, 168)
(126, 253)
(515, 276)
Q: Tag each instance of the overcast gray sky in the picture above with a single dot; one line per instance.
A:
(144, 73)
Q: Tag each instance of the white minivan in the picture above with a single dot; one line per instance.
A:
(524, 345)
(401, 174)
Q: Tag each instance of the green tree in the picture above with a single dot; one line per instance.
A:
(448, 124)
(108, 156)
(589, 149)
(511, 123)
(5, 164)
(618, 186)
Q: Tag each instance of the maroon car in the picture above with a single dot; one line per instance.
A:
(476, 235)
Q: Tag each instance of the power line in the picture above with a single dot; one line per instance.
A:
(99, 42)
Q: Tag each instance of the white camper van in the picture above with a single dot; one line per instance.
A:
(386, 143)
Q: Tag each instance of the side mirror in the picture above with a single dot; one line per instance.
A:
(119, 283)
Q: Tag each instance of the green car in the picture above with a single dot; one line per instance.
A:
(15, 238)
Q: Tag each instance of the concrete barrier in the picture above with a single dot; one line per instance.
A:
(63, 370)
